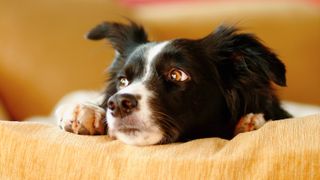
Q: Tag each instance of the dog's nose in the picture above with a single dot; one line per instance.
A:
(122, 105)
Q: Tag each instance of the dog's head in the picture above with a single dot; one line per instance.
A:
(161, 92)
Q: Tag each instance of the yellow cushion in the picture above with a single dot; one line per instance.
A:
(288, 149)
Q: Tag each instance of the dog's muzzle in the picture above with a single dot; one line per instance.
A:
(122, 105)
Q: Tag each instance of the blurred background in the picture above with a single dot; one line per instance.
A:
(43, 55)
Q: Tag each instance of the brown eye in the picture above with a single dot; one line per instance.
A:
(178, 75)
(123, 82)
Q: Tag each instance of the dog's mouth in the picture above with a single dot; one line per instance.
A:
(134, 130)
(129, 125)
(128, 131)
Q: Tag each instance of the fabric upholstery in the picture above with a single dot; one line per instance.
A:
(287, 149)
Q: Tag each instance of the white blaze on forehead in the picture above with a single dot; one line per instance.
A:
(151, 54)
(136, 88)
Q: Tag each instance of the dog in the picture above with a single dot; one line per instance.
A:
(179, 90)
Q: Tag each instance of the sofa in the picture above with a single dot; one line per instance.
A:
(43, 56)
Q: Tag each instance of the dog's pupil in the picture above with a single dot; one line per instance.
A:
(175, 75)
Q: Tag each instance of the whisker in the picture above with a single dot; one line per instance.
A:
(168, 123)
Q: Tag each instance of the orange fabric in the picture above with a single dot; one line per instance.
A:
(288, 149)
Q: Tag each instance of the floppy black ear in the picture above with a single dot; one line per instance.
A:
(243, 54)
(123, 37)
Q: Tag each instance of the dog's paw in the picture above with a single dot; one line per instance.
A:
(249, 122)
(85, 119)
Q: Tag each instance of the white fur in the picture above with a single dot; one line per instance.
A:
(142, 138)
(87, 100)
(144, 113)
(151, 54)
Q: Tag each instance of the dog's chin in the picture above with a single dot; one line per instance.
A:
(133, 131)
(138, 137)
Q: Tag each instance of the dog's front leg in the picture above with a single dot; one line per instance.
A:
(250, 122)
(80, 113)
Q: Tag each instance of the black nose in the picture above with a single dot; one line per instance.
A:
(122, 105)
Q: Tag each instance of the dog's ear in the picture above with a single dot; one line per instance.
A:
(243, 55)
(123, 37)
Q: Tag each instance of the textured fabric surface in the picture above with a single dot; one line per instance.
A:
(288, 149)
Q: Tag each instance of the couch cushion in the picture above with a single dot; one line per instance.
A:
(287, 149)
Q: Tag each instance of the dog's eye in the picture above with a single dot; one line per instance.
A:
(178, 75)
(123, 82)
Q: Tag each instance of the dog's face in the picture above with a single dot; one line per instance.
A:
(161, 92)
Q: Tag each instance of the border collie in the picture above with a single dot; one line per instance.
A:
(179, 90)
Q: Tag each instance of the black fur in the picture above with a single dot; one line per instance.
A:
(232, 74)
